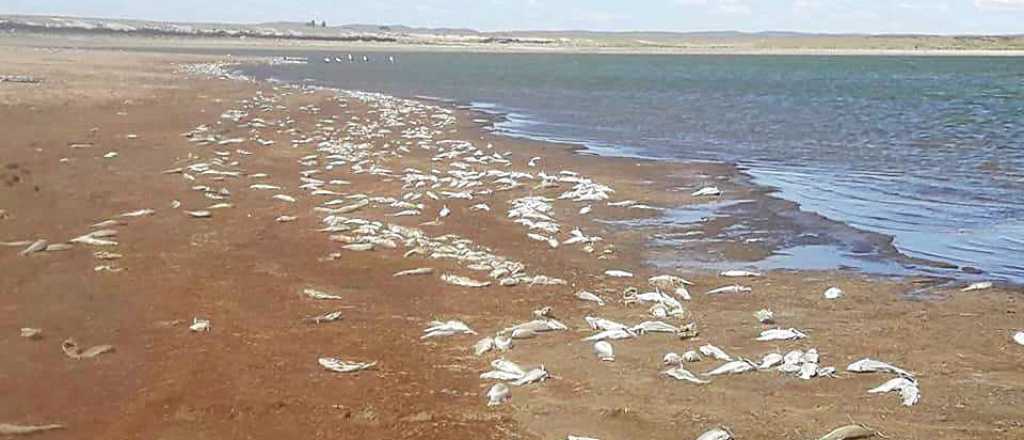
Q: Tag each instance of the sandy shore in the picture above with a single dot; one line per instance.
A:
(255, 374)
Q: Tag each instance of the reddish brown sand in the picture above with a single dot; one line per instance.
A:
(255, 374)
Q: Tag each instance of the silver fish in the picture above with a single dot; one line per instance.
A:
(418, 271)
(765, 316)
(11, 429)
(319, 294)
(868, 365)
(977, 286)
(604, 351)
(734, 367)
(36, 246)
(199, 214)
(908, 389)
(587, 296)
(716, 434)
(707, 191)
(614, 334)
(446, 328)
(683, 374)
(458, 280)
(71, 349)
(31, 333)
(340, 366)
(833, 293)
(498, 394)
(791, 334)
(325, 317)
(740, 274)
(538, 374)
(618, 274)
(715, 352)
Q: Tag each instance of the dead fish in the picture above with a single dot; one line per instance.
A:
(868, 365)
(669, 283)
(138, 213)
(849, 432)
(707, 191)
(603, 324)
(418, 271)
(31, 333)
(340, 366)
(618, 274)
(498, 394)
(58, 247)
(71, 349)
(36, 246)
(604, 351)
(19, 243)
(672, 358)
(107, 268)
(790, 334)
(715, 352)
(1019, 337)
(358, 247)
(977, 286)
(96, 238)
(734, 367)
(740, 274)
(10, 429)
(614, 334)
(104, 255)
(458, 280)
(587, 296)
(716, 434)
(765, 316)
(483, 346)
(325, 317)
(318, 294)
(220, 206)
(535, 375)
(285, 219)
(284, 198)
(909, 392)
(683, 374)
(654, 327)
(444, 212)
(736, 288)
(264, 186)
(175, 204)
(586, 210)
(199, 214)
(833, 293)
(200, 325)
(107, 224)
(692, 356)
(110, 155)
(446, 328)
(770, 360)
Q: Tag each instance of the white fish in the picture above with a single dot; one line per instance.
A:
(325, 317)
(736, 288)
(603, 324)
(1019, 337)
(317, 294)
(503, 343)
(220, 206)
(604, 351)
(908, 389)
(833, 293)
(175, 204)
(483, 346)
(615, 334)
(576, 437)
(138, 213)
(715, 352)
(358, 247)
(444, 212)
(200, 325)
(618, 274)
(498, 394)
(417, 271)
(977, 286)
(765, 316)
(284, 198)
(734, 367)
(264, 186)
(458, 280)
(480, 207)
(672, 358)
(340, 366)
(868, 365)
(10, 429)
(199, 214)
(285, 219)
(654, 327)
(716, 434)
(71, 349)
(36, 246)
(110, 155)
(533, 162)
(587, 296)
(507, 366)
(692, 356)
(790, 334)
(707, 191)
(31, 333)
(770, 360)
(446, 328)
(586, 210)
(683, 374)
(95, 239)
(740, 274)
(538, 374)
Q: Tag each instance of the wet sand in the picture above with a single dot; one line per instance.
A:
(255, 375)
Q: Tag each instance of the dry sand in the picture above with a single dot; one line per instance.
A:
(255, 374)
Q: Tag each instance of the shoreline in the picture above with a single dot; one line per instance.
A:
(246, 272)
(86, 41)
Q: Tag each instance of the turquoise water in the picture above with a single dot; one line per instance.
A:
(926, 150)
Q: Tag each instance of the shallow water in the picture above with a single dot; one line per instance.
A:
(928, 150)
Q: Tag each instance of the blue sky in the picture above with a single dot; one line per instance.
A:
(863, 16)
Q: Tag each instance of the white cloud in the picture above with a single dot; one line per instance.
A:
(1000, 4)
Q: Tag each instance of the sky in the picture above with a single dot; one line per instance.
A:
(829, 16)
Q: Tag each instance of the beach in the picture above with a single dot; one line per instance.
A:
(245, 268)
